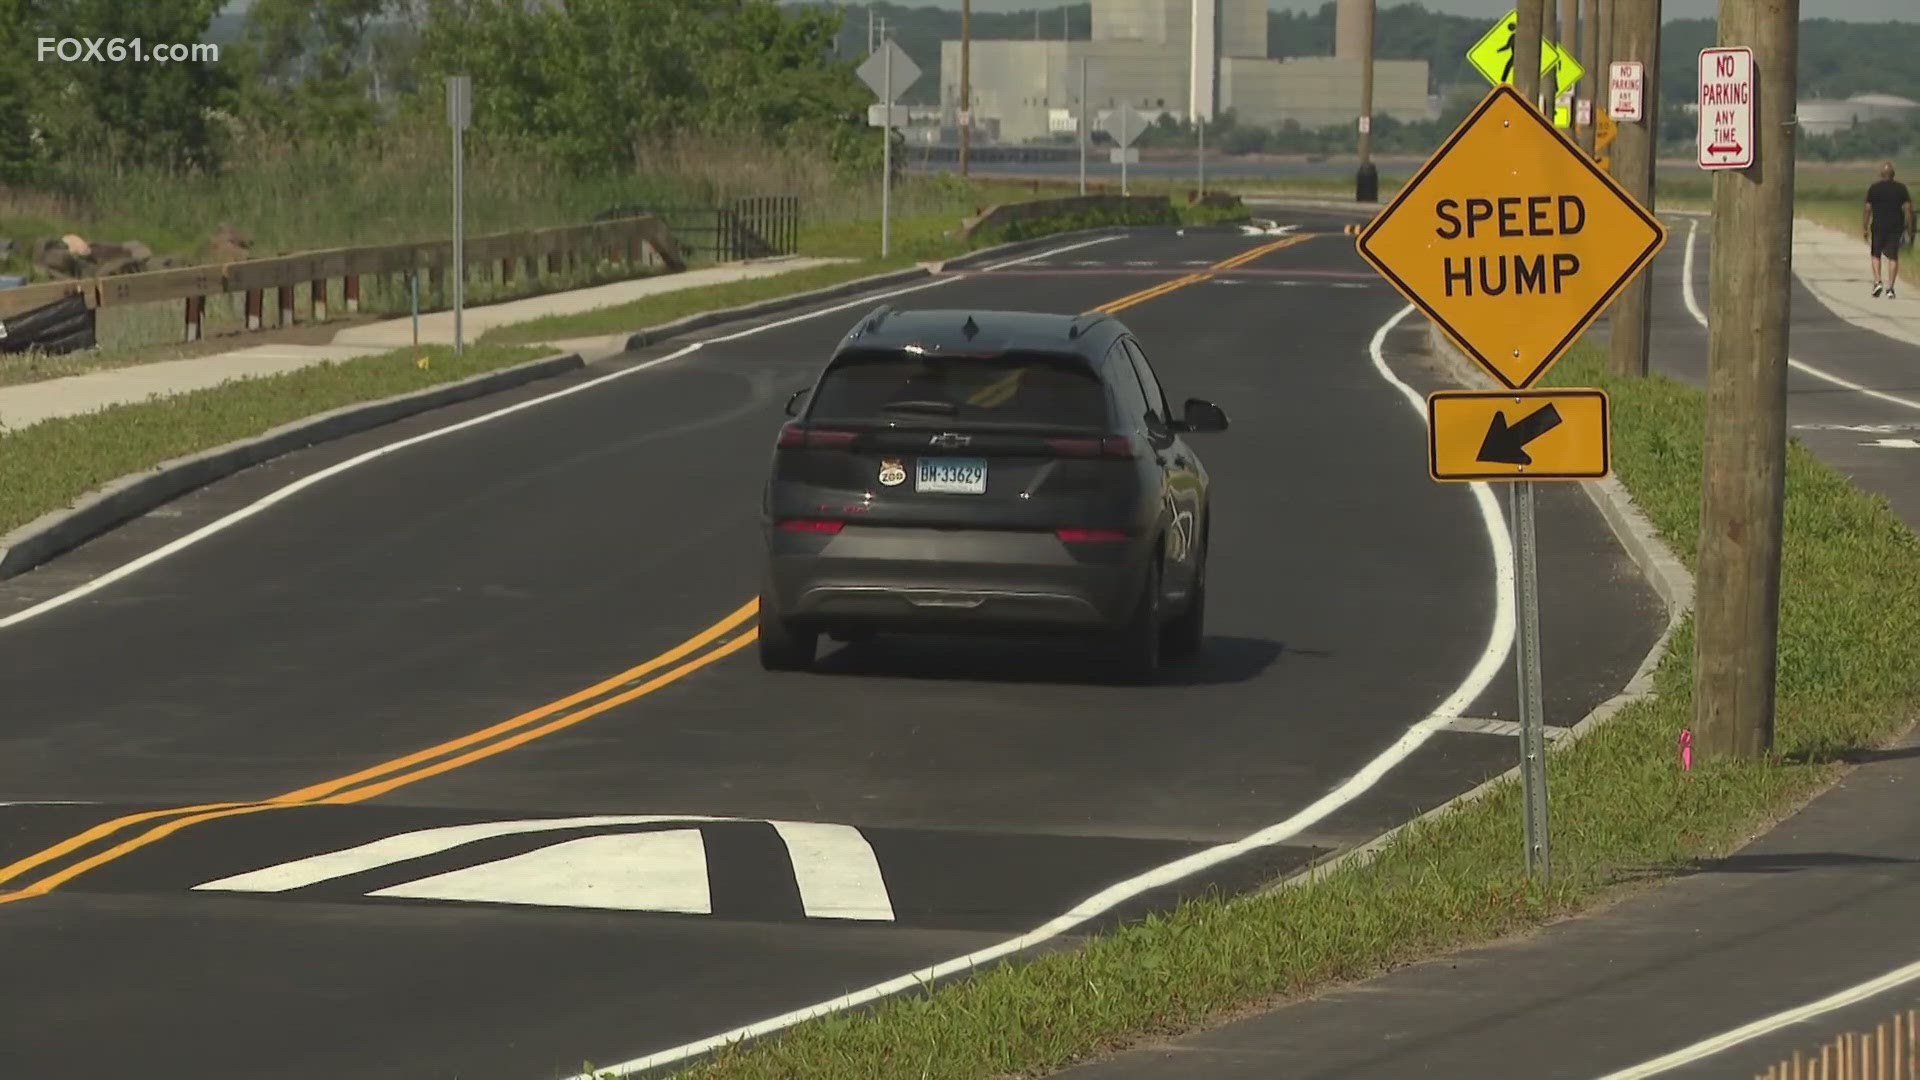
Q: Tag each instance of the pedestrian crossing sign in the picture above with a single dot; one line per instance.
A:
(1492, 57)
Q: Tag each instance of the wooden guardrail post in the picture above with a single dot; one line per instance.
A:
(286, 306)
(350, 290)
(256, 304)
(317, 298)
(196, 315)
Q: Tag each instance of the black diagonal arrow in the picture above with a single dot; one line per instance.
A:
(1508, 445)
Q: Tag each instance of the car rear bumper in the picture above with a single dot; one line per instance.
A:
(939, 579)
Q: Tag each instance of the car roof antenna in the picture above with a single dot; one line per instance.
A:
(879, 313)
(971, 328)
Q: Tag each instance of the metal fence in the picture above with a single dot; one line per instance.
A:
(757, 227)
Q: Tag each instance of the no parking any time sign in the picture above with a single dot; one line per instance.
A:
(1726, 108)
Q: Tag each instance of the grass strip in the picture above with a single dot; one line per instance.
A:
(48, 465)
(668, 306)
(1624, 813)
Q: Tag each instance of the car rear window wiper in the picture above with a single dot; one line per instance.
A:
(940, 408)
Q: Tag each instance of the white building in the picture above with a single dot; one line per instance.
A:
(1824, 117)
(1146, 52)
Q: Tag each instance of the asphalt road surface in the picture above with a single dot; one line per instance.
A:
(456, 763)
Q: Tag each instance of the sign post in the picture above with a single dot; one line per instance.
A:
(1129, 131)
(1725, 134)
(459, 117)
(1513, 242)
(888, 71)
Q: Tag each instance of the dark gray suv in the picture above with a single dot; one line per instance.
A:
(988, 472)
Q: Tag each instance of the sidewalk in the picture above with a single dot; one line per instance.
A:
(1833, 266)
(30, 403)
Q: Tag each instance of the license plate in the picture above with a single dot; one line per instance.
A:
(951, 476)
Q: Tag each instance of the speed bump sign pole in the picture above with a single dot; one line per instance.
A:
(1512, 241)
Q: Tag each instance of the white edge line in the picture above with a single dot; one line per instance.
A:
(1726, 1040)
(135, 566)
(1699, 316)
(1492, 659)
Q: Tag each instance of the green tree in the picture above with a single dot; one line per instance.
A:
(135, 113)
(17, 154)
(309, 64)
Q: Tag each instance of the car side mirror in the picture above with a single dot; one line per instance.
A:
(1203, 416)
(797, 401)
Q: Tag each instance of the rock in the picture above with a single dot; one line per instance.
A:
(77, 245)
(122, 265)
(6, 247)
(138, 250)
(229, 245)
(53, 255)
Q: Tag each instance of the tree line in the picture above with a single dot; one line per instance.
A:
(590, 83)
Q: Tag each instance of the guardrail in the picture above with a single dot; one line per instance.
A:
(753, 227)
(633, 239)
(1008, 213)
(1889, 1052)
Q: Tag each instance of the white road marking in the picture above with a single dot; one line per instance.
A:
(1699, 316)
(1861, 429)
(1489, 664)
(839, 877)
(1141, 262)
(833, 865)
(222, 524)
(1852, 995)
(1894, 444)
(648, 871)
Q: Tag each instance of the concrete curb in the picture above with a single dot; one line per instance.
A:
(653, 335)
(1664, 571)
(130, 496)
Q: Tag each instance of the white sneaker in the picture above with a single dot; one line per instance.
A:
(1877, 289)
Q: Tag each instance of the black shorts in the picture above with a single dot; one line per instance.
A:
(1885, 243)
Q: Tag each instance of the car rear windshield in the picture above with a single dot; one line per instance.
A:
(1015, 388)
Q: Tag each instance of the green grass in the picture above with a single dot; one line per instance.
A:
(1623, 813)
(665, 307)
(48, 465)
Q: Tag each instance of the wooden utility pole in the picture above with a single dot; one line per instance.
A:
(1594, 86)
(1367, 181)
(1636, 36)
(1744, 464)
(1570, 42)
(1526, 48)
(1548, 32)
(966, 80)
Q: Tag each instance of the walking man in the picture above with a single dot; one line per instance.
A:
(1886, 220)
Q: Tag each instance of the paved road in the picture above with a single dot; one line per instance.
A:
(450, 765)
(1823, 903)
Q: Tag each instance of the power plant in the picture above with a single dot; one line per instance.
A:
(1186, 58)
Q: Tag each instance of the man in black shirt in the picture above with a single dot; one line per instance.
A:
(1887, 218)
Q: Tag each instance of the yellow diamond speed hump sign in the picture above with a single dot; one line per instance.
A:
(1511, 240)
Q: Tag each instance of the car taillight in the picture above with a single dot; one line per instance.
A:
(793, 436)
(1091, 536)
(1113, 446)
(812, 525)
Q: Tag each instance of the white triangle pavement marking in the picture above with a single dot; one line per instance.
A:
(647, 871)
(1894, 444)
(413, 845)
(835, 867)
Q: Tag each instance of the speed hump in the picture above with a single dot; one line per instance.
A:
(1511, 240)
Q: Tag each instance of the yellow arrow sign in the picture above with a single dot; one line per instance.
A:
(1492, 57)
(1517, 435)
(1510, 239)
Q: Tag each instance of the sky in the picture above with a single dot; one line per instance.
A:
(1862, 10)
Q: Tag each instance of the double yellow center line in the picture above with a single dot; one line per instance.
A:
(48, 869)
(1196, 278)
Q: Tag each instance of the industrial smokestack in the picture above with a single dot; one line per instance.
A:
(1350, 29)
